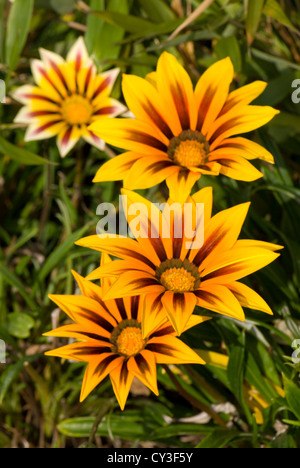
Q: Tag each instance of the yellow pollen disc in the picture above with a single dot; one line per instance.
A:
(130, 341)
(77, 110)
(190, 153)
(178, 280)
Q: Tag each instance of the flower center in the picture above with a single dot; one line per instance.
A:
(178, 276)
(77, 110)
(127, 338)
(189, 149)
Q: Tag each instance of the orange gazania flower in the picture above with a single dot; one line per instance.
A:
(111, 340)
(180, 133)
(68, 96)
(174, 274)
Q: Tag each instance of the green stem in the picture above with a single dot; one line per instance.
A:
(98, 420)
(192, 400)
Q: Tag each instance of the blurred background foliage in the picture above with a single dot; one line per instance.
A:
(250, 383)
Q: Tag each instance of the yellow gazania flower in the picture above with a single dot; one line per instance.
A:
(111, 340)
(180, 133)
(69, 95)
(174, 273)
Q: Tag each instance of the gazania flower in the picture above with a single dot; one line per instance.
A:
(68, 96)
(174, 273)
(111, 340)
(180, 133)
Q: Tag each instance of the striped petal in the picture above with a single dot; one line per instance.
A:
(97, 370)
(143, 366)
(87, 312)
(146, 104)
(121, 380)
(171, 350)
(43, 131)
(117, 246)
(244, 95)
(221, 233)
(129, 134)
(149, 171)
(181, 183)
(211, 93)
(249, 298)
(92, 139)
(238, 263)
(238, 168)
(80, 351)
(78, 55)
(219, 299)
(176, 91)
(179, 308)
(153, 315)
(134, 283)
(117, 167)
(239, 120)
(67, 139)
(242, 147)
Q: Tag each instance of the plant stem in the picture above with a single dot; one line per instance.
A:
(192, 400)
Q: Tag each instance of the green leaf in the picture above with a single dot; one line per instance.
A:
(19, 324)
(63, 7)
(274, 10)
(254, 12)
(2, 8)
(218, 439)
(17, 30)
(11, 372)
(157, 10)
(129, 23)
(229, 47)
(235, 367)
(123, 426)
(60, 252)
(14, 281)
(20, 155)
(103, 38)
(292, 393)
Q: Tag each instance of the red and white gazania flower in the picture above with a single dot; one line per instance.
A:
(67, 98)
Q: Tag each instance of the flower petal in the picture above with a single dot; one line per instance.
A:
(179, 308)
(67, 139)
(121, 381)
(219, 299)
(242, 147)
(149, 171)
(143, 366)
(247, 297)
(176, 90)
(97, 370)
(117, 167)
(129, 134)
(181, 183)
(171, 350)
(211, 93)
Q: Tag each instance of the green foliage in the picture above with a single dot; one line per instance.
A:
(47, 203)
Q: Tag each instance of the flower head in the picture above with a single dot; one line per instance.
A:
(181, 133)
(68, 96)
(174, 272)
(111, 340)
